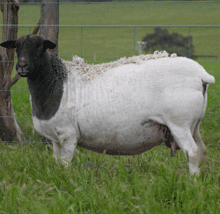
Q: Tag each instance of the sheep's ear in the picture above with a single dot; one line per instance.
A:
(48, 44)
(8, 44)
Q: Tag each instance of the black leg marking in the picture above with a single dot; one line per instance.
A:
(204, 88)
(168, 138)
(170, 142)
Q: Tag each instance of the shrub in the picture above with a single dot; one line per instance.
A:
(161, 40)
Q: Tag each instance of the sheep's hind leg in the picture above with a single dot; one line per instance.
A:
(185, 141)
(200, 144)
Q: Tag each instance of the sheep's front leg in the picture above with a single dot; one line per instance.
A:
(66, 146)
(68, 149)
(56, 150)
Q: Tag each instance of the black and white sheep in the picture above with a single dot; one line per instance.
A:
(126, 110)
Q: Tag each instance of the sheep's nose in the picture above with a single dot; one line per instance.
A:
(23, 62)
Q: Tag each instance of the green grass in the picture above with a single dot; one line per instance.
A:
(36, 185)
(30, 181)
(210, 128)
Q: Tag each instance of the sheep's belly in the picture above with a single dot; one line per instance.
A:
(110, 150)
(145, 138)
(127, 141)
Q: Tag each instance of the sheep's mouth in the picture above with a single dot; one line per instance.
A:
(23, 72)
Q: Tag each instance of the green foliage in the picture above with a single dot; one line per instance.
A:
(161, 40)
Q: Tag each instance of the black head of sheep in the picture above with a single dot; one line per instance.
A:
(31, 50)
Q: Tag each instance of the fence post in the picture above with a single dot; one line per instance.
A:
(81, 41)
(189, 45)
(134, 41)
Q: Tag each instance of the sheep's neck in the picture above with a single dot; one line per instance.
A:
(46, 93)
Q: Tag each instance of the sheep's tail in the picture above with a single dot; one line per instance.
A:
(206, 77)
(206, 80)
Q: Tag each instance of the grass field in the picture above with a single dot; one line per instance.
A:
(30, 181)
(34, 184)
(108, 44)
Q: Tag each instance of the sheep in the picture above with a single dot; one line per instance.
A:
(126, 109)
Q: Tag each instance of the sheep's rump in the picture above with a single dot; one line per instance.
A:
(91, 71)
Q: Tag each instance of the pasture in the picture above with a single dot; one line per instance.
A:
(108, 44)
(31, 182)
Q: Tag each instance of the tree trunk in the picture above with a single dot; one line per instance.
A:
(9, 128)
(50, 16)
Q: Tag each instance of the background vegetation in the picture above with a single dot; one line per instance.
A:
(30, 182)
(161, 40)
(108, 44)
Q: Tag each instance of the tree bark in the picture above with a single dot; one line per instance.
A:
(36, 29)
(50, 16)
(9, 128)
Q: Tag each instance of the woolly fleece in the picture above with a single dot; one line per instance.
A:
(91, 71)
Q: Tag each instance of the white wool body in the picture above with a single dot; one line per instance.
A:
(126, 107)
(108, 112)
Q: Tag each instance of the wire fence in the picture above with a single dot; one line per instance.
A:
(134, 27)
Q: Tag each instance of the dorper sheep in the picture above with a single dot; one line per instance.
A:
(123, 108)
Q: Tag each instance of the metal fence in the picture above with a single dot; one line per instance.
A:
(134, 27)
